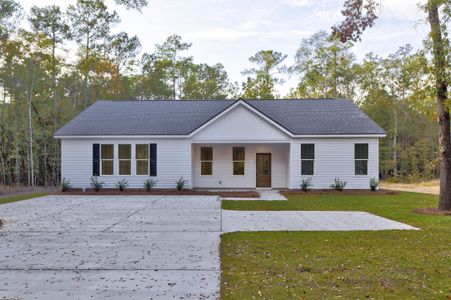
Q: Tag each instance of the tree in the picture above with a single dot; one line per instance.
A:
(169, 55)
(90, 23)
(123, 49)
(325, 67)
(10, 12)
(269, 65)
(206, 82)
(352, 28)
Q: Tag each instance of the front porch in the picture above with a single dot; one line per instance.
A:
(250, 165)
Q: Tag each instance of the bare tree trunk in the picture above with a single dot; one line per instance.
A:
(30, 125)
(395, 142)
(443, 110)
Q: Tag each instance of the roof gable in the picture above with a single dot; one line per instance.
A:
(240, 122)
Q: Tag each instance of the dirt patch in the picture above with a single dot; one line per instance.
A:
(243, 194)
(432, 211)
(287, 193)
(430, 187)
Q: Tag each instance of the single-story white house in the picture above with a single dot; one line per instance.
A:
(221, 143)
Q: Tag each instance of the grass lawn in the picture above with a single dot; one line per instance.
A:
(345, 265)
(21, 197)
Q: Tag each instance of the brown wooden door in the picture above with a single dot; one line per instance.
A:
(263, 170)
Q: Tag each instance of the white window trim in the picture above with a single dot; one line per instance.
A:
(124, 159)
(243, 161)
(106, 159)
(362, 159)
(309, 159)
(141, 159)
(202, 161)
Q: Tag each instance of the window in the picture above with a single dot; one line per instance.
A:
(361, 159)
(206, 161)
(142, 159)
(107, 159)
(125, 159)
(307, 159)
(238, 160)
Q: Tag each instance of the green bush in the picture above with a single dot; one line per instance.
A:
(122, 184)
(180, 184)
(65, 185)
(149, 184)
(306, 183)
(96, 184)
(374, 183)
(338, 184)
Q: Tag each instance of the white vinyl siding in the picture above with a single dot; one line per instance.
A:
(173, 162)
(334, 158)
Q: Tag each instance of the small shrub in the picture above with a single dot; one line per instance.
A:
(180, 184)
(374, 183)
(96, 184)
(149, 184)
(338, 184)
(122, 184)
(65, 185)
(306, 183)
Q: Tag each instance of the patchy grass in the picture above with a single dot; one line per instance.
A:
(21, 197)
(428, 187)
(347, 265)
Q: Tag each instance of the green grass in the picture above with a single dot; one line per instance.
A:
(21, 197)
(345, 265)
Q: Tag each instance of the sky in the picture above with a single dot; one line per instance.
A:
(230, 31)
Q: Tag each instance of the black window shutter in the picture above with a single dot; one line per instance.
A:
(95, 159)
(153, 160)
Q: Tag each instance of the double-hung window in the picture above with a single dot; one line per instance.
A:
(142, 159)
(206, 161)
(307, 159)
(125, 159)
(238, 160)
(107, 159)
(361, 159)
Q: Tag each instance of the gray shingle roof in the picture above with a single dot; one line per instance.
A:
(163, 117)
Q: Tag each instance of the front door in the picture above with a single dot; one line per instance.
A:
(263, 170)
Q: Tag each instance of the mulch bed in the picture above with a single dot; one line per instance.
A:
(129, 192)
(287, 193)
(432, 211)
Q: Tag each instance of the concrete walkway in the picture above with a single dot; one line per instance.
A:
(135, 247)
(265, 194)
(233, 220)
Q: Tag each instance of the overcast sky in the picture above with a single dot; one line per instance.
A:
(230, 31)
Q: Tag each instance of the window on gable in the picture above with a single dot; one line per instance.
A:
(307, 159)
(361, 159)
(107, 159)
(142, 159)
(125, 159)
(206, 161)
(238, 160)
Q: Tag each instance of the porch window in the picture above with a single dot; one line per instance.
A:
(142, 159)
(125, 159)
(361, 159)
(206, 161)
(238, 160)
(307, 159)
(107, 159)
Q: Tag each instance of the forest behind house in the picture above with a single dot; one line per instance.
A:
(45, 81)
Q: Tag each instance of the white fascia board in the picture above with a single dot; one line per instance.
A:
(121, 136)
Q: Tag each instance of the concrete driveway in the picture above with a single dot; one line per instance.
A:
(135, 247)
(89, 247)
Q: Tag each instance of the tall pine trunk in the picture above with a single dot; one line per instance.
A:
(443, 109)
